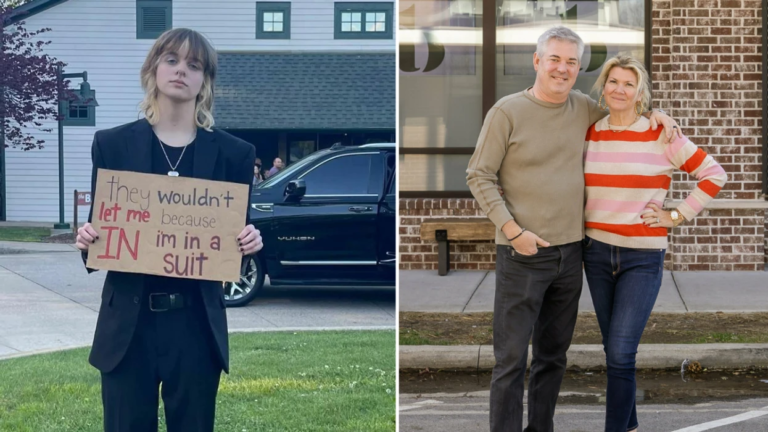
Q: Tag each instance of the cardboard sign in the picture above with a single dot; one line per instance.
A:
(83, 198)
(169, 226)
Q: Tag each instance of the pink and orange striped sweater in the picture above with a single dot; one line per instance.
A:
(625, 171)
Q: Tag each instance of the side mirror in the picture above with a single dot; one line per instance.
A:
(295, 189)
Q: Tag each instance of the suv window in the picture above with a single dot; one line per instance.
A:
(343, 175)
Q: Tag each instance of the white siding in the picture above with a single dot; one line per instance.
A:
(100, 37)
(88, 36)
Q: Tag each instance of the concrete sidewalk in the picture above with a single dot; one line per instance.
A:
(13, 247)
(48, 302)
(473, 291)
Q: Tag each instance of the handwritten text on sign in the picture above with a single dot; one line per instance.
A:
(168, 226)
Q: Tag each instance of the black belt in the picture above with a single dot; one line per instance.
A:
(161, 302)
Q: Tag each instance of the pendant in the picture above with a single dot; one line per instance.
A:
(173, 173)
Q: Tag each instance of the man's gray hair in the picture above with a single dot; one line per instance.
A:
(560, 33)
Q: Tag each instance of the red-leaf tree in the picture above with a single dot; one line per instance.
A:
(28, 87)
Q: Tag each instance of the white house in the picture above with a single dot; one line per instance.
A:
(294, 76)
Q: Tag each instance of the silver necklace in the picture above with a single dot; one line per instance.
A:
(173, 172)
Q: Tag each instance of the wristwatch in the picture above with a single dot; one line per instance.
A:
(660, 110)
(677, 217)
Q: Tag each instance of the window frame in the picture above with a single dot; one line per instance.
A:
(364, 7)
(368, 185)
(140, 4)
(69, 121)
(264, 7)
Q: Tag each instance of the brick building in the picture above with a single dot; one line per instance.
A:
(706, 59)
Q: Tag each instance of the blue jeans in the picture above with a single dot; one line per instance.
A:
(624, 284)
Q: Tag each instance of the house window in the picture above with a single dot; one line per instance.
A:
(78, 115)
(153, 17)
(363, 20)
(78, 112)
(273, 20)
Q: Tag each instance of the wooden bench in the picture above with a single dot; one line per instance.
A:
(444, 230)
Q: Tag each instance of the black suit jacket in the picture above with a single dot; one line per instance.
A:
(218, 156)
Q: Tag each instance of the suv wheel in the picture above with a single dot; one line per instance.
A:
(251, 281)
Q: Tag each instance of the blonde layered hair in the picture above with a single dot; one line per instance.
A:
(627, 62)
(198, 48)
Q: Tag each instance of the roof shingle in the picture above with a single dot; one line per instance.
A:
(305, 91)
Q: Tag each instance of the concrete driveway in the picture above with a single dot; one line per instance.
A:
(49, 302)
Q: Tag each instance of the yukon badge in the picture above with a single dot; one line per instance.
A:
(295, 238)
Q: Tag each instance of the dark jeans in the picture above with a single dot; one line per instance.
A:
(536, 295)
(624, 284)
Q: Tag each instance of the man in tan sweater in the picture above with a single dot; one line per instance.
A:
(532, 145)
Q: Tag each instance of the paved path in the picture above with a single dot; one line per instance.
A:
(48, 301)
(445, 413)
(473, 291)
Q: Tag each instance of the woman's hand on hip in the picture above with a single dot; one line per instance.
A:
(657, 218)
(85, 236)
(249, 240)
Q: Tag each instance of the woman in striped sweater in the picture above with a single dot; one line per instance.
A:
(628, 169)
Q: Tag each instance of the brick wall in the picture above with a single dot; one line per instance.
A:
(706, 67)
(720, 239)
(417, 255)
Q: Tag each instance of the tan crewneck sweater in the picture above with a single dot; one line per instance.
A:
(535, 151)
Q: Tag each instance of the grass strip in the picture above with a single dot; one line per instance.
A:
(23, 234)
(304, 381)
(417, 328)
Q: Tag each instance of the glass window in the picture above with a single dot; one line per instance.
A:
(440, 89)
(78, 112)
(343, 175)
(433, 172)
(441, 71)
(607, 27)
(363, 20)
(274, 20)
(440, 74)
(351, 22)
(375, 22)
(79, 115)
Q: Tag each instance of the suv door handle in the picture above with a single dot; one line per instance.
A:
(356, 209)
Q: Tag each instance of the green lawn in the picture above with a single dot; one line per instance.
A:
(306, 381)
(25, 234)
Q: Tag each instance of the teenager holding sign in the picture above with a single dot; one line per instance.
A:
(156, 329)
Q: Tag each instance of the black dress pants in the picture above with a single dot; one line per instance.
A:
(174, 348)
(535, 295)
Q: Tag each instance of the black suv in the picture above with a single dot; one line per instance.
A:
(326, 220)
